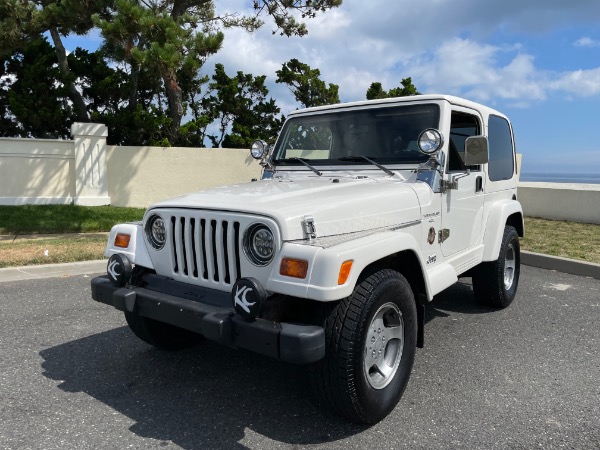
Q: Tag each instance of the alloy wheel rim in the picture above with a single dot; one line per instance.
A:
(383, 346)
(510, 265)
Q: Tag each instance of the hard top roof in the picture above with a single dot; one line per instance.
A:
(399, 100)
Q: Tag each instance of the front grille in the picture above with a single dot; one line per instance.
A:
(204, 248)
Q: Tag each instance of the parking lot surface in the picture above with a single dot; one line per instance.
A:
(72, 376)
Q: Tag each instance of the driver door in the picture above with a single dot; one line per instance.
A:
(462, 204)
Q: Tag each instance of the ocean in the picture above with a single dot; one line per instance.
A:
(592, 178)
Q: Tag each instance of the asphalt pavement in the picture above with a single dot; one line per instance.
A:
(72, 376)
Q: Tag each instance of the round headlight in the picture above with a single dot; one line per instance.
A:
(258, 149)
(156, 231)
(430, 141)
(259, 244)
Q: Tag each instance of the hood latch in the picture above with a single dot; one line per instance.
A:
(308, 226)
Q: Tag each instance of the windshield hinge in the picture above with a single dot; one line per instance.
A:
(308, 226)
(446, 185)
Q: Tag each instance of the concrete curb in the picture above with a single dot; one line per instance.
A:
(572, 266)
(52, 270)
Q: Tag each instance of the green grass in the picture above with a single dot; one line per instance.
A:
(47, 219)
(560, 238)
(568, 239)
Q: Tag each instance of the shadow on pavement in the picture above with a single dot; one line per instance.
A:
(205, 397)
(209, 396)
(457, 298)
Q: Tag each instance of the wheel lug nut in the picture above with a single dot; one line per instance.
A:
(374, 352)
(373, 339)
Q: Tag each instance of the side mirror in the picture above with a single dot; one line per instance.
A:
(476, 150)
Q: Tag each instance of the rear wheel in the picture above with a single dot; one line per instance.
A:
(370, 349)
(495, 283)
(161, 335)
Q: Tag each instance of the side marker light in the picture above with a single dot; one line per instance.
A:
(345, 271)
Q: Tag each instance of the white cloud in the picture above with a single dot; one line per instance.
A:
(580, 82)
(586, 42)
(441, 44)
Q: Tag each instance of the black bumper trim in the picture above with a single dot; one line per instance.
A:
(294, 343)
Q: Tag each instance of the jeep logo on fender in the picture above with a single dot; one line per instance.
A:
(248, 297)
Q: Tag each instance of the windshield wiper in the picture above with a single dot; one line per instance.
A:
(364, 158)
(303, 161)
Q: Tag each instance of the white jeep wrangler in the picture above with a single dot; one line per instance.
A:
(365, 211)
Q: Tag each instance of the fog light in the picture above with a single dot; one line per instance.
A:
(118, 269)
(296, 268)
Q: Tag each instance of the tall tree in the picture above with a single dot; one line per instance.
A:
(24, 20)
(305, 84)
(176, 36)
(173, 38)
(405, 89)
(240, 103)
(159, 47)
(37, 100)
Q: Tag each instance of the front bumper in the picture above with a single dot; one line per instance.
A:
(203, 311)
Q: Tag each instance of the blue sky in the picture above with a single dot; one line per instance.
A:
(538, 61)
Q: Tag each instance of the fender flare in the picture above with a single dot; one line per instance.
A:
(363, 251)
(497, 218)
(136, 252)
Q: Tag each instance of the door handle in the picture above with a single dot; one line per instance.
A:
(479, 184)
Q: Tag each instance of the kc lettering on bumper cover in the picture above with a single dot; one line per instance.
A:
(202, 311)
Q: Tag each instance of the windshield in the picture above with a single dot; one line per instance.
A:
(387, 134)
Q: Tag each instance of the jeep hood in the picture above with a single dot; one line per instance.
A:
(337, 205)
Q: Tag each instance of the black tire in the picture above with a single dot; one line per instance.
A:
(341, 378)
(489, 284)
(161, 335)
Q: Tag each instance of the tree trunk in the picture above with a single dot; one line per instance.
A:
(133, 92)
(63, 64)
(175, 100)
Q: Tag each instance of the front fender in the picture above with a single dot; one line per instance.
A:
(497, 217)
(363, 251)
(136, 252)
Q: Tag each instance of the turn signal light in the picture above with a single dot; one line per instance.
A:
(345, 271)
(122, 240)
(296, 268)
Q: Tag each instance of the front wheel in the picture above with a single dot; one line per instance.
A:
(370, 349)
(495, 283)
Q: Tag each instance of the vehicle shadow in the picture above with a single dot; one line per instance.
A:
(458, 298)
(210, 396)
(205, 397)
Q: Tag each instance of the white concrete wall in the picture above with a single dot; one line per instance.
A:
(140, 176)
(561, 201)
(36, 171)
(51, 171)
(88, 172)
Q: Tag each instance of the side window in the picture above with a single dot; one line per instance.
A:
(462, 126)
(501, 162)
